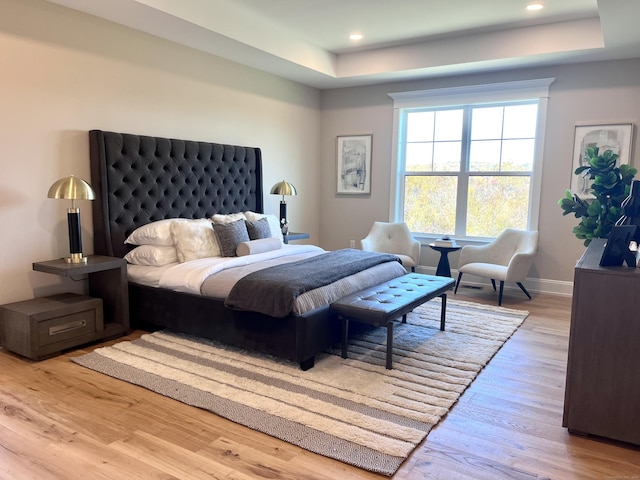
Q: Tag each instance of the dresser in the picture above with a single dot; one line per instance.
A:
(602, 394)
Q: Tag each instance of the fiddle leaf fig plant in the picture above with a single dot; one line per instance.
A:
(609, 184)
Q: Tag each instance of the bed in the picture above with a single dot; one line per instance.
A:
(139, 180)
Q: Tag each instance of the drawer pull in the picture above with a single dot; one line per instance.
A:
(57, 329)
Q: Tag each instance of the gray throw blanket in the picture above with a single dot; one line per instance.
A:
(273, 290)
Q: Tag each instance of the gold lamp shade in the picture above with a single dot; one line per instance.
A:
(283, 188)
(72, 188)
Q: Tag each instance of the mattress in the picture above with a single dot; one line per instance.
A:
(216, 277)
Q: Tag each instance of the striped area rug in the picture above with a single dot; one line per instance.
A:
(352, 410)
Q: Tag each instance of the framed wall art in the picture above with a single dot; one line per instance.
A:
(354, 164)
(615, 137)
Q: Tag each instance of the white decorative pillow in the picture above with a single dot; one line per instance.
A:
(152, 255)
(232, 217)
(154, 233)
(258, 246)
(194, 239)
(274, 223)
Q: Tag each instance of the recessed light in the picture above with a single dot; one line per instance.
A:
(535, 6)
(355, 36)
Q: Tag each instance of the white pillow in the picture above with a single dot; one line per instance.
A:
(258, 246)
(194, 239)
(232, 217)
(154, 233)
(152, 255)
(274, 223)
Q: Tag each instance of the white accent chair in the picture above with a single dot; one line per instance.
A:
(508, 258)
(393, 238)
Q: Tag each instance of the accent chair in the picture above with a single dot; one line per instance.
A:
(393, 238)
(508, 258)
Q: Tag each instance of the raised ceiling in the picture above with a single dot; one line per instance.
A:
(307, 40)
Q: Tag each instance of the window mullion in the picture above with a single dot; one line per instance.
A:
(463, 177)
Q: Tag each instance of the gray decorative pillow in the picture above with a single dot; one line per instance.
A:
(230, 235)
(258, 229)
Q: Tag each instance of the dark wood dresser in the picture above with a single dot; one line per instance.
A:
(602, 394)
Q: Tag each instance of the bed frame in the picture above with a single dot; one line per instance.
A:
(140, 179)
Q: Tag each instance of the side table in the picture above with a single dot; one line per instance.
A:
(107, 280)
(43, 327)
(295, 236)
(444, 270)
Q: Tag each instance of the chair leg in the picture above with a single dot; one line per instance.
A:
(458, 282)
(413, 269)
(524, 290)
(493, 282)
(500, 294)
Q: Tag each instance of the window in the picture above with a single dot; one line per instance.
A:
(469, 169)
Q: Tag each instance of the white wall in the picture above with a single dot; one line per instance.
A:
(64, 73)
(596, 93)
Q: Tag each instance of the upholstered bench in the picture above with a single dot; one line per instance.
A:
(382, 304)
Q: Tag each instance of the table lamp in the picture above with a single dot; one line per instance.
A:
(72, 188)
(283, 188)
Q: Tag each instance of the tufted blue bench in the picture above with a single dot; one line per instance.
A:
(382, 304)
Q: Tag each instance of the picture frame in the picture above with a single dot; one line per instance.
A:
(354, 164)
(616, 137)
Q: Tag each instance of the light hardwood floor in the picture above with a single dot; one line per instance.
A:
(62, 421)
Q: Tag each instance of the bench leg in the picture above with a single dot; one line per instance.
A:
(345, 336)
(390, 345)
(443, 310)
(404, 318)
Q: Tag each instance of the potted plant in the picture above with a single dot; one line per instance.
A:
(609, 185)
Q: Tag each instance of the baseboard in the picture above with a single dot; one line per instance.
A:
(539, 285)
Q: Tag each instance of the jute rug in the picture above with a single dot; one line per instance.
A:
(352, 410)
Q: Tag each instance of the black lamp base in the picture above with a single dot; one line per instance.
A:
(283, 211)
(75, 237)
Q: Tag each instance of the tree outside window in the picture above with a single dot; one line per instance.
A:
(466, 171)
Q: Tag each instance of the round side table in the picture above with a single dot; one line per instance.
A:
(444, 270)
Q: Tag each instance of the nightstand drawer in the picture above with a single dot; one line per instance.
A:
(44, 326)
(67, 326)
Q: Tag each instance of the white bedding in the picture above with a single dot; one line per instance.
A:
(214, 277)
(189, 276)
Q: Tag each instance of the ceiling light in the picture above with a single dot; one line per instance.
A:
(535, 6)
(355, 36)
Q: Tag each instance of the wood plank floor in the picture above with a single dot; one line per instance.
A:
(62, 421)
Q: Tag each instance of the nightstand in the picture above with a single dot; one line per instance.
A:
(107, 280)
(45, 326)
(292, 236)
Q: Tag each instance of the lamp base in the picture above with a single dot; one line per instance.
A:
(76, 258)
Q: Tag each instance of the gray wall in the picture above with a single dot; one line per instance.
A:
(596, 93)
(64, 73)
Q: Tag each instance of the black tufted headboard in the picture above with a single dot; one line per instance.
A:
(140, 179)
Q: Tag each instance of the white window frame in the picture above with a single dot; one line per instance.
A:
(535, 89)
